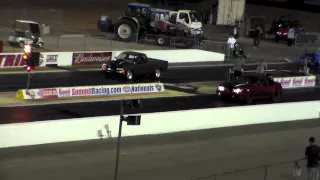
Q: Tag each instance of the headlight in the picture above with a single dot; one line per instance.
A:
(120, 70)
(220, 88)
(237, 91)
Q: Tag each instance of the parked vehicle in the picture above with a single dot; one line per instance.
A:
(131, 64)
(25, 32)
(249, 88)
(164, 26)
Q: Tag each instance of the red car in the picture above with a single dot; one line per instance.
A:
(282, 34)
(249, 88)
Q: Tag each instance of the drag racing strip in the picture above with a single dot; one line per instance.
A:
(107, 108)
(13, 82)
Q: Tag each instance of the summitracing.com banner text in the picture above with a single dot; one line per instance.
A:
(84, 91)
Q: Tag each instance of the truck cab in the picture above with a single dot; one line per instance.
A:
(189, 18)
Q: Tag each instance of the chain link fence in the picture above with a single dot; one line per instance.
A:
(277, 171)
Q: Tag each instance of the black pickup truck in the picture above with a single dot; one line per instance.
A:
(134, 64)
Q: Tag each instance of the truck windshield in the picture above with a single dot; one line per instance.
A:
(195, 17)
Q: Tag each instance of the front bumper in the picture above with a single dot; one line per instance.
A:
(229, 95)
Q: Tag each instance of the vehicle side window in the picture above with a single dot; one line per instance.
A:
(140, 60)
(270, 81)
(263, 82)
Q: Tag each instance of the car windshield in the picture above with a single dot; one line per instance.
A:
(244, 80)
(195, 17)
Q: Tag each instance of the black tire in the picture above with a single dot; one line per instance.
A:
(275, 96)
(129, 75)
(157, 74)
(162, 41)
(126, 30)
(249, 99)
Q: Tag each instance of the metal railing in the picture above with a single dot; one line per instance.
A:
(276, 171)
(103, 42)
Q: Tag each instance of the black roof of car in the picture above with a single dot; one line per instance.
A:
(133, 53)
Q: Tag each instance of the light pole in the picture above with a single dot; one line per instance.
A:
(131, 120)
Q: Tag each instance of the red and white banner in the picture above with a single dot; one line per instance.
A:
(91, 58)
(296, 82)
(63, 92)
(16, 60)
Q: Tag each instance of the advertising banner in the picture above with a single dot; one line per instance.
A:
(62, 92)
(90, 58)
(15, 60)
(51, 59)
(297, 82)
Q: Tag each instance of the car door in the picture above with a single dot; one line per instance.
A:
(264, 88)
(258, 89)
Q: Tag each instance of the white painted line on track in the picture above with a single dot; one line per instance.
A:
(288, 60)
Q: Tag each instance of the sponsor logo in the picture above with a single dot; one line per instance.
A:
(115, 90)
(31, 93)
(49, 93)
(90, 58)
(52, 59)
(310, 81)
(64, 92)
(139, 88)
(285, 82)
(297, 81)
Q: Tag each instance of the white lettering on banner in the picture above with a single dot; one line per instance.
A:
(116, 89)
(91, 91)
(64, 92)
(81, 58)
(22, 134)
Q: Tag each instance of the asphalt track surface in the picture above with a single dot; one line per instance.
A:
(178, 156)
(107, 108)
(175, 74)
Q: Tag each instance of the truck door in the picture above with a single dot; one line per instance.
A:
(141, 66)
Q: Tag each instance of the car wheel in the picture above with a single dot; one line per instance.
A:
(157, 74)
(129, 75)
(249, 99)
(21, 44)
(162, 41)
(275, 96)
(40, 45)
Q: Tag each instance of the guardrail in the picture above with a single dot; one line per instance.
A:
(265, 172)
(102, 42)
